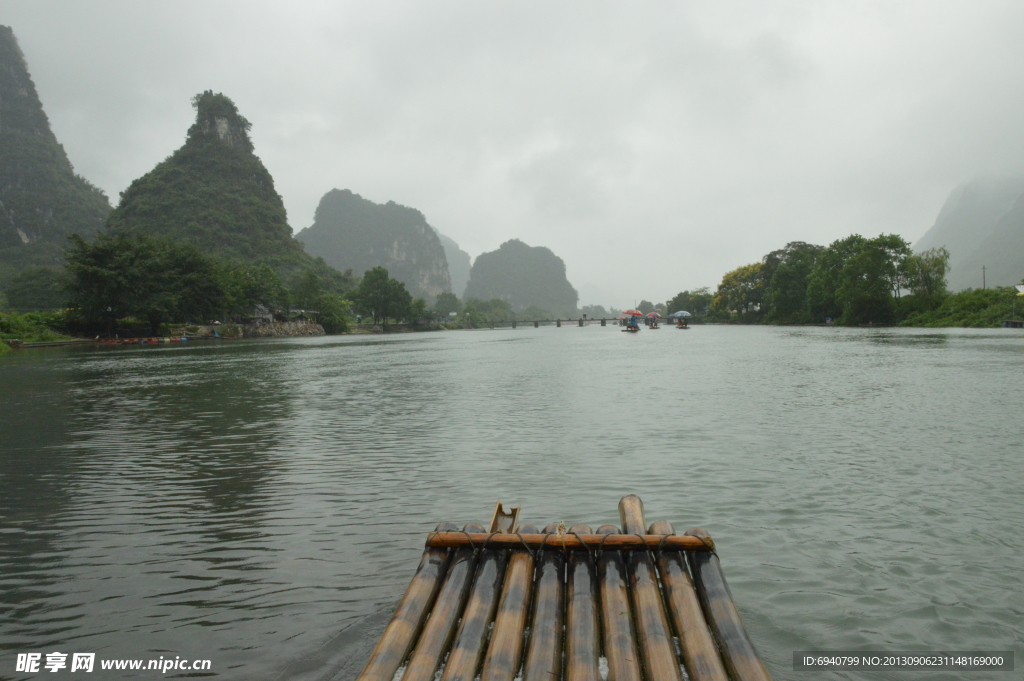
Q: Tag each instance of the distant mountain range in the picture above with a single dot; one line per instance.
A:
(524, 276)
(215, 193)
(42, 200)
(981, 225)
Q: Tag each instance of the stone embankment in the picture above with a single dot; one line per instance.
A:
(274, 330)
(282, 330)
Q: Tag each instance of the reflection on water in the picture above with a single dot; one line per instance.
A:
(228, 501)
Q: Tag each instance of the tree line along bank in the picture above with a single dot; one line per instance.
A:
(853, 281)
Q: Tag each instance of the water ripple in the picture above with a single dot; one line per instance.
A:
(227, 501)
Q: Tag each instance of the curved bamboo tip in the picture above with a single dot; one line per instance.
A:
(631, 513)
(703, 535)
(661, 527)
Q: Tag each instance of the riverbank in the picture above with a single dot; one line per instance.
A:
(972, 308)
(37, 336)
(264, 330)
(30, 327)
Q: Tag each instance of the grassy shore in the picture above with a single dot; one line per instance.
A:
(31, 327)
(975, 308)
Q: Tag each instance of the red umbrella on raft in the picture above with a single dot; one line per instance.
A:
(633, 313)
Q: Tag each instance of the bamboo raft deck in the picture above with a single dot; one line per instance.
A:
(643, 604)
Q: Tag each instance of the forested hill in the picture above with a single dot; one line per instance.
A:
(524, 277)
(349, 231)
(42, 201)
(981, 225)
(214, 193)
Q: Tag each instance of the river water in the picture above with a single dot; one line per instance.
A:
(263, 504)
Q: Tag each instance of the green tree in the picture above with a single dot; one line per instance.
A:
(333, 281)
(534, 313)
(381, 297)
(872, 277)
(246, 286)
(447, 303)
(786, 292)
(926, 273)
(742, 291)
(925, 277)
(696, 302)
(645, 306)
(306, 289)
(417, 309)
(333, 313)
(135, 275)
(36, 288)
(312, 291)
(481, 312)
(827, 276)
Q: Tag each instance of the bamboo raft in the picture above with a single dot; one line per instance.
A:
(643, 604)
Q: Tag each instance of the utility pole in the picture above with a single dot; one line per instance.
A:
(983, 277)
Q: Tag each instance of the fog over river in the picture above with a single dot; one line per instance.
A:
(263, 504)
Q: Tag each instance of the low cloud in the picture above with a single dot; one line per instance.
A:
(653, 146)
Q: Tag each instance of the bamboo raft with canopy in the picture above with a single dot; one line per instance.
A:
(511, 602)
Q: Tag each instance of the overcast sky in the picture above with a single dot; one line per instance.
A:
(652, 145)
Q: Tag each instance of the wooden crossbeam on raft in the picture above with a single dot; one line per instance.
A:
(571, 542)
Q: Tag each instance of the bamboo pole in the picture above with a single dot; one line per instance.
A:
(700, 656)
(504, 654)
(401, 632)
(582, 634)
(653, 633)
(471, 640)
(569, 542)
(619, 641)
(544, 653)
(738, 653)
(440, 627)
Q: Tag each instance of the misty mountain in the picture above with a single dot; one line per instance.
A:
(458, 263)
(1001, 252)
(214, 193)
(42, 200)
(981, 224)
(524, 277)
(349, 231)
